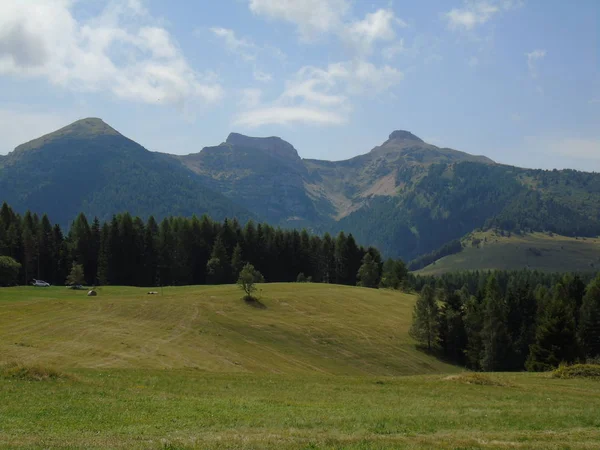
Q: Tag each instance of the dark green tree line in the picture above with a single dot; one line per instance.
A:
(510, 321)
(184, 251)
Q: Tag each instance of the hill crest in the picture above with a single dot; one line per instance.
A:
(80, 129)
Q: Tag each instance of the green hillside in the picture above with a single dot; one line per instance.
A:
(89, 167)
(199, 368)
(303, 328)
(546, 252)
(406, 197)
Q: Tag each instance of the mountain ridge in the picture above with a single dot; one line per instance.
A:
(405, 196)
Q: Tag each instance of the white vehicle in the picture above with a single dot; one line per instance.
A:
(40, 283)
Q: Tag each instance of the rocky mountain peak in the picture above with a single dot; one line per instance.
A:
(402, 135)
(273, 145)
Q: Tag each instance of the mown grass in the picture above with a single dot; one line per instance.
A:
(301, 328)
(318, 368)
(535, 251)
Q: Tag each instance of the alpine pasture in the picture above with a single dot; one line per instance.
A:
(309, 366)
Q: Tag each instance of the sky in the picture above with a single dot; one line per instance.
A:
(515, 80)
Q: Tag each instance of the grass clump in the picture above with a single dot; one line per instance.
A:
(589, 371)
(32, 373)
(479, 379)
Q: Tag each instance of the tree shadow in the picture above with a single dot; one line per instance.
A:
(254, 302)
(439, 354)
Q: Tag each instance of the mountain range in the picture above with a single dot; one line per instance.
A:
(405, 196)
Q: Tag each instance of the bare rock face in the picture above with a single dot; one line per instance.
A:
(274, 146)
(402, 135)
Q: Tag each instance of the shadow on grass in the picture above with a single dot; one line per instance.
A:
(254, 302)
(441, 356)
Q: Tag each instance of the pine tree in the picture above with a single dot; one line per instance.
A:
(394, 274)
(151, 253)
(104, 256)
(555, 337)
(80, 237)
(494, 334)
(473, 320)
(425, 322)
(237, 262)
(368, 274)
(453, 337)
(216, 267)
(589, 322)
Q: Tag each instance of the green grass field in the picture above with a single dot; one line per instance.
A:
(317, 366)
(536, 251)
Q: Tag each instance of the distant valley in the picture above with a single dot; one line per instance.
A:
(405, 196)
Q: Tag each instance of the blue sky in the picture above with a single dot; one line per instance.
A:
(516, 80)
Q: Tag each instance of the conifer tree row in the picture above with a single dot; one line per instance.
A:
(183, 251)
(507, 321)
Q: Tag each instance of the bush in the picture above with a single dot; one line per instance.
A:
(479, 379)
(9, 271)
(301, 278)
(32, 373)
(589, 371)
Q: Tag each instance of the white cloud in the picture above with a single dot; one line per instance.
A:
(478, 12)
(246, 49)
(310, 16)
(532, 60)
(377, 26)
(261, 76)
(322, 96)
(394, 50)
(119, 51)
(285, 115)
(250, 98)
(473, 61)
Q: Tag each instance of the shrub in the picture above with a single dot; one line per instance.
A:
(479, 379)
(9, 271)
(301, 278)
(589, 371)
(32, 373)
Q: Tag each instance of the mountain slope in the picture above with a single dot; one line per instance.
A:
(347, 185)
(89, 167)
(447, 201)
(491, 250)
(405, 196)
(265, 174)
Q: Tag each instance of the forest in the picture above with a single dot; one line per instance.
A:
(509, 321)
(180, 251)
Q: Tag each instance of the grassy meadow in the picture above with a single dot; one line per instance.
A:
(311, 366)
(546, 252)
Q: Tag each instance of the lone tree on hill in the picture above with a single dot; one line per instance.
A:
(425, 324)
(248, 279)
(76, 276)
